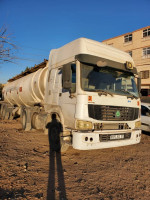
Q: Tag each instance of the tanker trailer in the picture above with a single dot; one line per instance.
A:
(86, 96)
(25, 92)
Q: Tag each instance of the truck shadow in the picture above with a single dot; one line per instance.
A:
(56, 184)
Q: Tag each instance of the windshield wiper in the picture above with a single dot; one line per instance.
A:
(127, 92)
(103, 92)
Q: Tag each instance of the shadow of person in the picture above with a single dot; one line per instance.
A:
(55, 163)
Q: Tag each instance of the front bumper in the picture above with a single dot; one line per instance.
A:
(92, 140)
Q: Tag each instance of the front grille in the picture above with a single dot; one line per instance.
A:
(107, 137)
(112, 126)
(112, 113)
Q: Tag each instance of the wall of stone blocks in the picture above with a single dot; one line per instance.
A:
(136, 46)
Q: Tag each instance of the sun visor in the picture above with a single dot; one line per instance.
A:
(102, 62)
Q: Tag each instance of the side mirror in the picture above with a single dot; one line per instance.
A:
(67, 76)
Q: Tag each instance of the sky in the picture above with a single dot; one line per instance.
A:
(37, 26)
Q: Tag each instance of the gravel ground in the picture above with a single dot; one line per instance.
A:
(29, 170)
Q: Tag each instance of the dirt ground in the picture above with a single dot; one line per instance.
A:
(28, 170)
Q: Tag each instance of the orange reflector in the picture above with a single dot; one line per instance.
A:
(20, 89)
(89, 98)
(138, 103)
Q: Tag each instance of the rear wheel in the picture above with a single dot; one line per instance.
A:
(3, 112)
(24, 119)
(2, 109)
(7, 114)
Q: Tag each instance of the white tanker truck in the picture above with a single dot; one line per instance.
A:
(86, 96)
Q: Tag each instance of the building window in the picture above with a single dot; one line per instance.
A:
(145, 74)
(130, 53)
(128, 38)
(146, 52)
(146, 32)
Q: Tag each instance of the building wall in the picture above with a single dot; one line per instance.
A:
(136, 45)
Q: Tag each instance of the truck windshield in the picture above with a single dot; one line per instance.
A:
(107, 80)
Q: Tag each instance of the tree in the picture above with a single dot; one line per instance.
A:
(7, 49)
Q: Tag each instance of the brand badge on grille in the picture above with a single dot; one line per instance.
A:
(117, 114)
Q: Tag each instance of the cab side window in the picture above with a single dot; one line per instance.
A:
(69, 78)
(73, 69)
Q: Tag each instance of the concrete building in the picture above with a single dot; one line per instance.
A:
(137, 44)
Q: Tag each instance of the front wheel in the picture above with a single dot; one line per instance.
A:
(55, 137)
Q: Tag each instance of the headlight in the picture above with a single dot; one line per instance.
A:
(83, 125)
(138, 124)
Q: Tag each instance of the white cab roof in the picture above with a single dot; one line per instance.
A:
(87, 46)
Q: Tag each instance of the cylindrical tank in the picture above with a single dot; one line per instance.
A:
(28, 90)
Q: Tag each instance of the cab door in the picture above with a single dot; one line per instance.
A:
(67, 99)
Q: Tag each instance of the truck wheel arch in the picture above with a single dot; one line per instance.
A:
(55, 110)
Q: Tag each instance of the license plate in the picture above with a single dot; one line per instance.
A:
(116, 137)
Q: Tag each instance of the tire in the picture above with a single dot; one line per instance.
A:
(64, 146)
(24, 119)
(7, 115)
(55, 137)
(2, 108)
(4, 111)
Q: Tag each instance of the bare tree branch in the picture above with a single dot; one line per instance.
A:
(7, 48)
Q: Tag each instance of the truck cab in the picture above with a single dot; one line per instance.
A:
(91, 87)
(85, 95)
